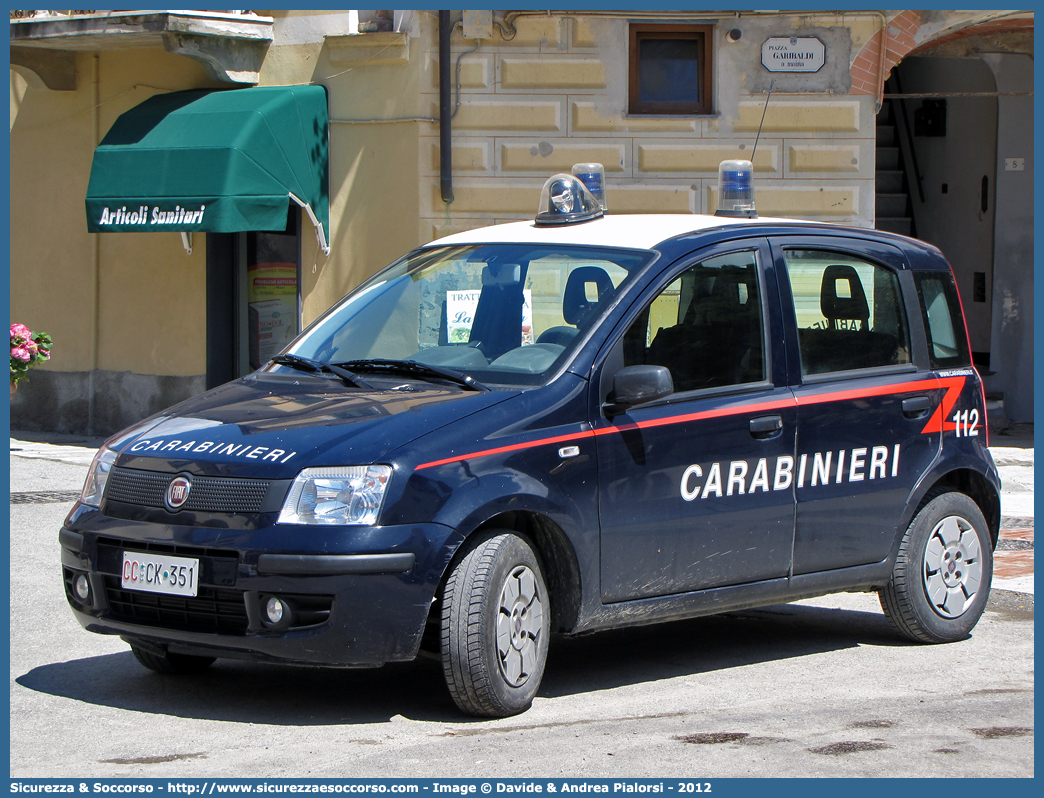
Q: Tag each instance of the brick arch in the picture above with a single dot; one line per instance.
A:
(905, 35)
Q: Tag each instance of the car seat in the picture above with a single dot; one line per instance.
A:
(841, 346)
(577, 308)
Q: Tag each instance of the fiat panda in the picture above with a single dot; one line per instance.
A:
(582, 422)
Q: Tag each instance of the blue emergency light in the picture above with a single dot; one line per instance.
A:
(736, 190)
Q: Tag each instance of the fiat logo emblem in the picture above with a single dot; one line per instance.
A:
(178, 492)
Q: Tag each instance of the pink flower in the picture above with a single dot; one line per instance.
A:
(43, 353)
(21, 331)
(21, 353)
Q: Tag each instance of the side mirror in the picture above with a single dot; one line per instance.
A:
(635, 385)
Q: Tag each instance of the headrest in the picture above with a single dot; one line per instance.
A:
(848, 303)
(576, 307)
(722, 300)
(501, 273)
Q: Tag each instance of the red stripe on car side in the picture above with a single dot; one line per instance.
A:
(952, 384)
(575, 436)
(864, 393)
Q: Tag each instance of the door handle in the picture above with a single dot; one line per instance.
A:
(765, 426)
(916, 406)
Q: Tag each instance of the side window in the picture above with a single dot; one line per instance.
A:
(940, 306)
(706, 326)
(849, 312)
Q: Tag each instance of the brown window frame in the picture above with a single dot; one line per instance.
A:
(704, 36)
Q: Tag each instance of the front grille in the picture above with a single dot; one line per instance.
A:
(227, 556)
(208, 494)
(217, 610)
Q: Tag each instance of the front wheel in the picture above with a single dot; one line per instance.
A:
(495, 626)
(941, 579)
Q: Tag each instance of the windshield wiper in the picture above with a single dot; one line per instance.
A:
(418, 369)
(319, 367)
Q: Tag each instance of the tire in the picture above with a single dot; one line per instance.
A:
(495, 626)
(942, 574)
(172, 663)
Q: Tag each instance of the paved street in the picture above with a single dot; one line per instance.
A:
(822, 687)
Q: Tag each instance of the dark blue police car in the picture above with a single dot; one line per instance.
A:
(577, 423)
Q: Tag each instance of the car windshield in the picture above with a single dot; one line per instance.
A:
(502, 314)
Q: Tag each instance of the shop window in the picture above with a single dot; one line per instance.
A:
(670, 69)
(849, 312)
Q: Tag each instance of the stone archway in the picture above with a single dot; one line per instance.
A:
(910, 31)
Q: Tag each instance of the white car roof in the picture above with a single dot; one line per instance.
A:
(635, 231)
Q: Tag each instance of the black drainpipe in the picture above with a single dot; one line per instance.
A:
(445, 114)
(445, 133)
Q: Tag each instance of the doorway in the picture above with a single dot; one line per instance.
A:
(941, 117)
(253, 298)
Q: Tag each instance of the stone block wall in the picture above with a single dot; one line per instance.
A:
(556, 94)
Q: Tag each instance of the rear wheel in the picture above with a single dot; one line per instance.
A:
(941, 579)
(171, 663)
(495, 626)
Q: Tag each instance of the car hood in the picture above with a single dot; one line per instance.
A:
(273, 425)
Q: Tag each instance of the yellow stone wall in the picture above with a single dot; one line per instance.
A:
(375, 98)
(556, 94)
(117, 301)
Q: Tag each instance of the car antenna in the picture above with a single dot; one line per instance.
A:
(763, 112)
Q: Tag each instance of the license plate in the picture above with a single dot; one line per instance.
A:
(175, 576)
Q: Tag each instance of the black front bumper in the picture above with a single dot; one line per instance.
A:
(358, 607)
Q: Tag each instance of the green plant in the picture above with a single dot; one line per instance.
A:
(27, 349)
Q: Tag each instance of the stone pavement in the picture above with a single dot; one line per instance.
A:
(1010, 444)
(1012, 448)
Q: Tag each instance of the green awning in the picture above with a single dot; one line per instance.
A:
(214, 161)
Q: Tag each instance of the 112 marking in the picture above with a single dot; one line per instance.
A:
(968, 421)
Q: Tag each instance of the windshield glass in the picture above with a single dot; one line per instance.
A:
(501, 313)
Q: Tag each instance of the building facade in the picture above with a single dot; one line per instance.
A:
(915, 121)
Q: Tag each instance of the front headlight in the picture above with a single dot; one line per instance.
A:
(341, 495)
(94, 487)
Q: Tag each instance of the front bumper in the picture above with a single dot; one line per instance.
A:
(359, 596)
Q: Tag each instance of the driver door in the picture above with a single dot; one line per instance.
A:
(696, 490)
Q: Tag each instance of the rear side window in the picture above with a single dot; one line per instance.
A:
(849, 312)
(943, 322)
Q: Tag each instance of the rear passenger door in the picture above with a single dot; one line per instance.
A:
(866, 428)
